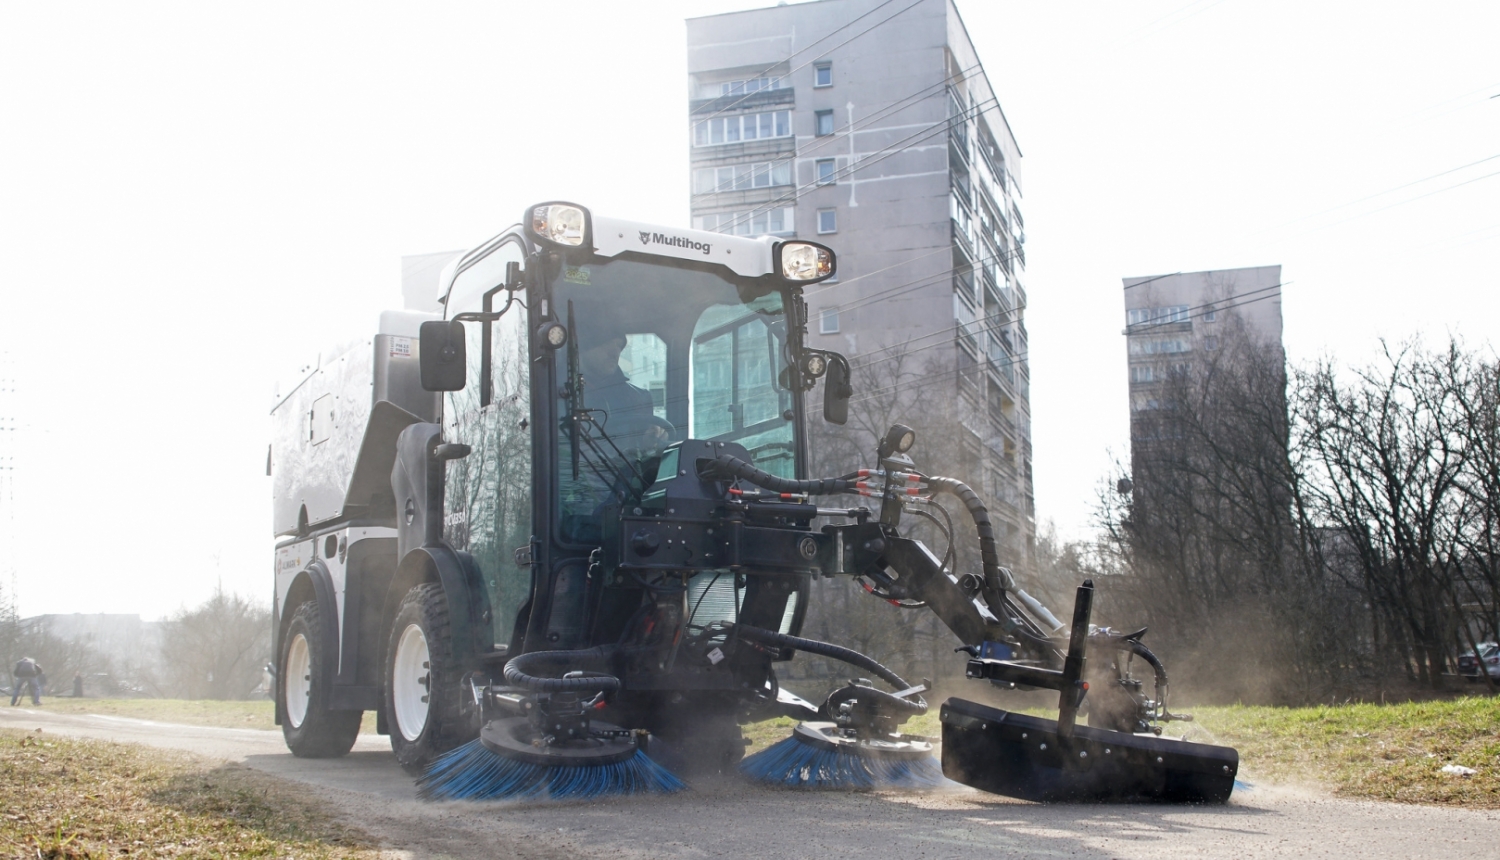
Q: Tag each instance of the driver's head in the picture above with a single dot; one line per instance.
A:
(602, 357)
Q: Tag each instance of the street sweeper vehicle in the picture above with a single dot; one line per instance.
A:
(560, 539)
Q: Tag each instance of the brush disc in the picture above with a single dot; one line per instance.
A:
(819, 755)
(830, 738)
(516, 739)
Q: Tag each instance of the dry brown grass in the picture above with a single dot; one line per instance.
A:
(63, 797)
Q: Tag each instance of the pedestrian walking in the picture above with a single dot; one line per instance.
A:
(27, 674)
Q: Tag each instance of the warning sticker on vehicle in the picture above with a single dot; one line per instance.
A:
(576, 275)
(715, 656)
(401, 347)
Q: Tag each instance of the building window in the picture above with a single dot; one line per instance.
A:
(824, 122)
(756, 222)
(823, 74)
(828, 221)
(741, 177)
(1210, 315)
(1157, 316)
(742, 127)
(1143, 373)
(826, 170)
(1210, 342)
(828, 321)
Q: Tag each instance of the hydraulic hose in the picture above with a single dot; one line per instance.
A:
(916, 705)
(1135, 647)
(997, 579)
(759, 477)
(525, 671)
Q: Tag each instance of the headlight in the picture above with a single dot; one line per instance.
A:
(814, 364)
(559, 223)
(804, 261)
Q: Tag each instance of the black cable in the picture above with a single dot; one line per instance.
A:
(997, 580)
(916, 704)
(524, 671)
(725, 465)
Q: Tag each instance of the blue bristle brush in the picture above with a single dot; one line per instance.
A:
(818, 756)
(503, 765)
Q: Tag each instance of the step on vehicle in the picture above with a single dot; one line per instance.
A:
(561, 538)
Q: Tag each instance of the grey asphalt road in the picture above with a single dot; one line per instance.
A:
(733, 819)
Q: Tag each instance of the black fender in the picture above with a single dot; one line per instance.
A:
(469, 615)
(312, 583)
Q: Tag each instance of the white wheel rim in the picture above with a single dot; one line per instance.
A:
(410, 676)
(298, 680)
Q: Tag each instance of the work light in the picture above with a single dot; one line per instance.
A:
(561, 224)
(804, 262)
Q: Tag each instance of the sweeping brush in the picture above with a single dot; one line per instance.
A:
(504, 763)
(818, 755)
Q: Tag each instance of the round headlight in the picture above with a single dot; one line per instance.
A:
(908, 439)
(803, 262)
(558, 222)
(554, 334)
(814, 365)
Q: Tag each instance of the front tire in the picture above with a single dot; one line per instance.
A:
(310, 728)
(421, 680)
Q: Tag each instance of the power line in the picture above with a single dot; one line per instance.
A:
(1151, 280)
(830, 34)
(1024, 354)
(889, 109)
(901, 146)
(1207, 308)
(1393, 190)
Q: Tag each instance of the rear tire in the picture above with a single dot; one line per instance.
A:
(421, 680)
(310, 728)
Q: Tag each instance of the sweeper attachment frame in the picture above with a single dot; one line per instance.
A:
(539, 727)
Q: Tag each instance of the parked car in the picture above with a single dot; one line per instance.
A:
(1488, 654)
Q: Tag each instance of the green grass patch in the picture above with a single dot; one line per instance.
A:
(61, 797)
(1375, 752)
(1379, 752)
(248, 714)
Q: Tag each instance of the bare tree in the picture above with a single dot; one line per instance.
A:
(217, 649)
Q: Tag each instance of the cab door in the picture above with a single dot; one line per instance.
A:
(488, 493)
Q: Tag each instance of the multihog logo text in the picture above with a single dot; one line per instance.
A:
(649, 238)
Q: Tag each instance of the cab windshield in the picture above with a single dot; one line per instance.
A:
(660, 352)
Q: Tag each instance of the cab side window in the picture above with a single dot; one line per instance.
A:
(488, 508)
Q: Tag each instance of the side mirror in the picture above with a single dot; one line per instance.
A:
(442, 355)
(836, 390)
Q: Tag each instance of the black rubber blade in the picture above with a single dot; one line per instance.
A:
(1022, 756)
(514, 738)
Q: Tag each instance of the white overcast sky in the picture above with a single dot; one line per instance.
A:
(195, 198)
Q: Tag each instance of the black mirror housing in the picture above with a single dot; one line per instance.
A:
(442, 355)
(836, 390)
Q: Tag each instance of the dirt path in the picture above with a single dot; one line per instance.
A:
(733, 819)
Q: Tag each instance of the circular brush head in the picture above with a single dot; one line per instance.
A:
(510, 761)
(821, 755)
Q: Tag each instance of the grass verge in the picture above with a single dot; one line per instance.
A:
(62, 797)
(1377, 752)
(1373, 752)
(249, 714)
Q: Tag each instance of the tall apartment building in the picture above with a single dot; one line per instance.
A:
(871, 126)
(1176, 325)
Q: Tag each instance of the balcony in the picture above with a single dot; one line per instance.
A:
(703, 107)
(961, 239)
